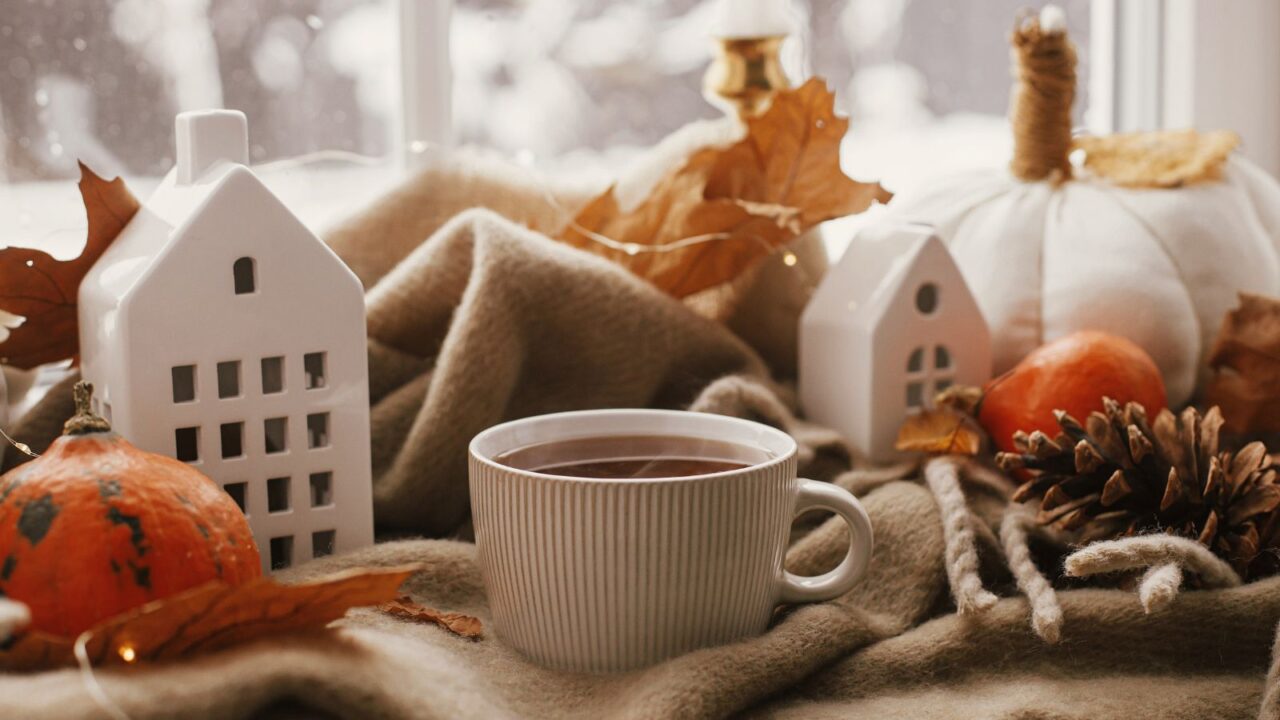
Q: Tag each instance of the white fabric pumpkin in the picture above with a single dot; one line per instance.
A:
(1159, 266)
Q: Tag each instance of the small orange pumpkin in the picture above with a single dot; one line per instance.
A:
(95, 527)
(1073, 374)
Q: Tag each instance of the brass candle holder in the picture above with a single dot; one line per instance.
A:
(745, 74)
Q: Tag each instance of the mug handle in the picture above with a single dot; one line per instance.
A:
(825, 496)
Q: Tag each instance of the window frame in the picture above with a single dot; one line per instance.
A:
(1170, 64)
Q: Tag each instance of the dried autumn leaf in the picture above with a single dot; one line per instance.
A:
(213, 616)
(1246, 364)
(463, 625)
(1164, 159)
(733, 206)
(42, 290)
(939, 431)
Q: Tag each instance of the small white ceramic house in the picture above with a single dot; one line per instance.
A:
(892, 324)
(217, 329)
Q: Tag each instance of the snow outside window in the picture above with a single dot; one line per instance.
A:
(566, 85)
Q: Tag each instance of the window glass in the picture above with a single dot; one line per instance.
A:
(103, 80)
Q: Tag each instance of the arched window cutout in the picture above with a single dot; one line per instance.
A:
(245, 276)
(916, 362)
(941, 358)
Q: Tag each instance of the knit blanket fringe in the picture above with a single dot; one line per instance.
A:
(1162, 562)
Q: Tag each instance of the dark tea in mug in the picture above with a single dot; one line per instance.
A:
(633, 457)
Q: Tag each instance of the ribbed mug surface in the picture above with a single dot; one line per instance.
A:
(596, 575)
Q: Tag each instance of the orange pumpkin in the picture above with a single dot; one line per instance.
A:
(95, 527)
(1073, 373)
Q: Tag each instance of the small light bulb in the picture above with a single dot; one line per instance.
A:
(631, 248)
(789, 259)
(127, 653)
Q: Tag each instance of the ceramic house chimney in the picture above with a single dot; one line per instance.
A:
(208, 137)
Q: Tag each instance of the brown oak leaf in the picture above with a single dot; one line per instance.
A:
(1245, 361)
(733, 205)
(939, 431)
(1159, 159)
(42, 290)
(211, 617)
(463, 625)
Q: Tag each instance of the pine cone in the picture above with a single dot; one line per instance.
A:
(1119, 475)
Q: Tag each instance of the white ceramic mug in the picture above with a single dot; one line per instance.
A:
(601, 575)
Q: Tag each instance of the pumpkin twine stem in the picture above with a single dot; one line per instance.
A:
(1040, 112)
(85, 420)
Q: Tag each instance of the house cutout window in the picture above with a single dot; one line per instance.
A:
(278, 495)
(927, 299)
(313, 367)
(318, 430)
(322, 543)
(184, 383)
(245, 276)
(275, 433)
(915, 395)
(229, 379)
(281, 552)
(272, 375)
(915, 363)
(321, 489)
(924, 383)
(232, 439)
(238, 492)
(186, 444)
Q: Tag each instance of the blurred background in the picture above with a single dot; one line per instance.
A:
(573, 87)
(335, 90)
(101, 80)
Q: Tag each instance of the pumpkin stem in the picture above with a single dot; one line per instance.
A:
(1040, 112)
(85, 420)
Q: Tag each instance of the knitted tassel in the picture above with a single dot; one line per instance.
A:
(1164, 557)
(1159, 586)
(1046, 613)
(943, 478)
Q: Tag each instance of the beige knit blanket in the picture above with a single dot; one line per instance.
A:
(475, 319)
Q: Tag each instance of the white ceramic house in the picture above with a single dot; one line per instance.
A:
(219, 330)
(892, 324)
